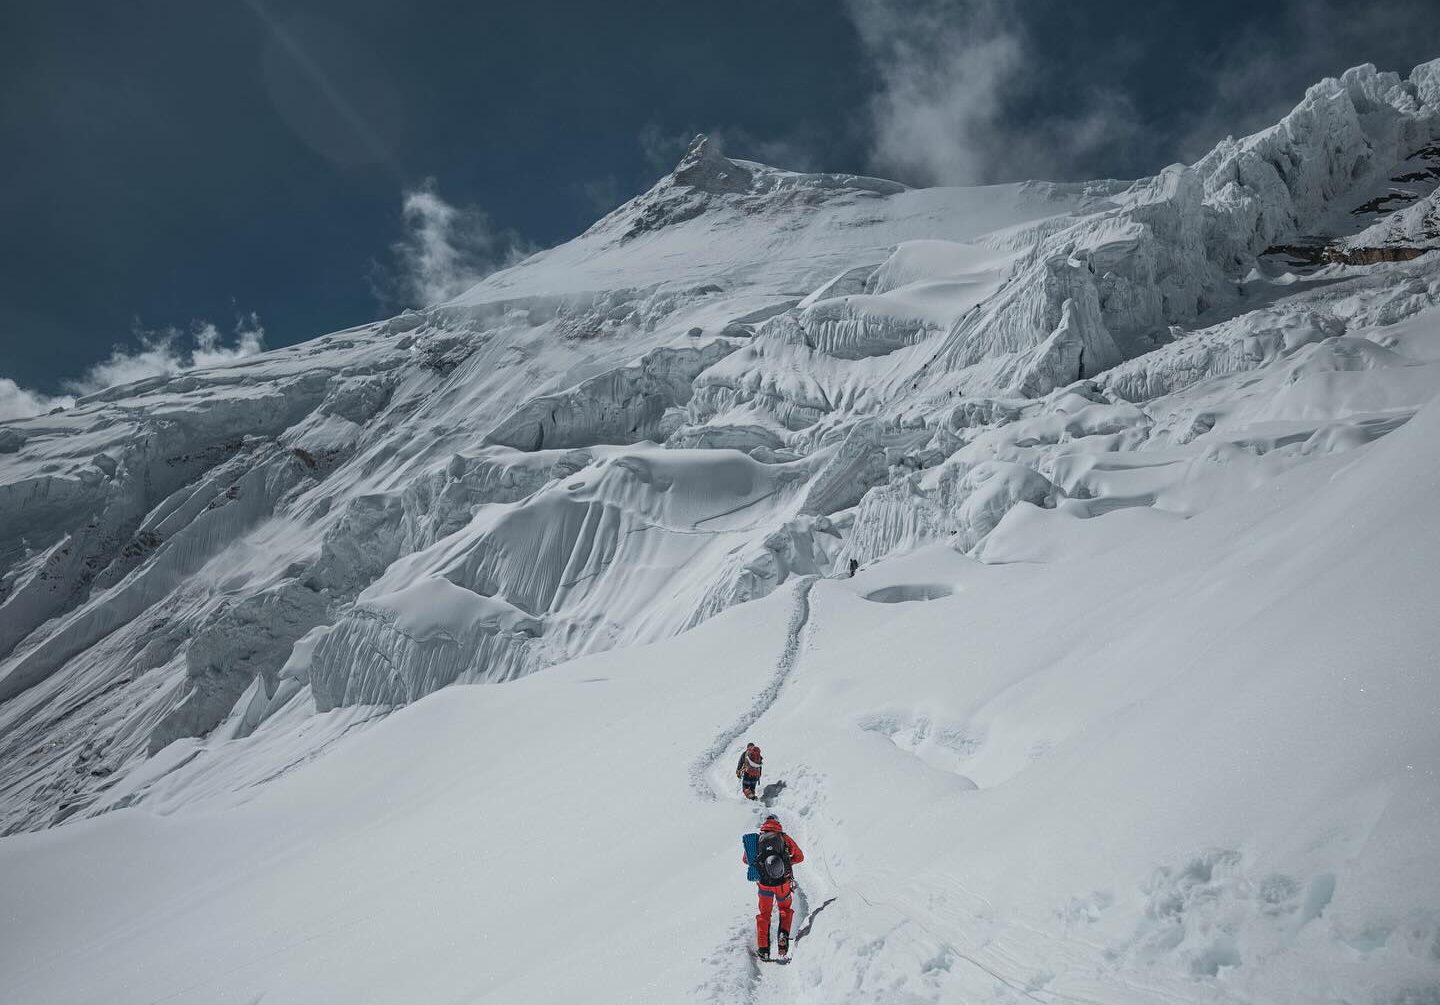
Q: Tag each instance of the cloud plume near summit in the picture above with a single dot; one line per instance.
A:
(951, 78)
(445, 250)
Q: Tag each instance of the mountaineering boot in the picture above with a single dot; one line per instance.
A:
(784, 945)
(763, 952)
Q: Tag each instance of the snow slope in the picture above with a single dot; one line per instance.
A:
(1138, 673)
(967, 790)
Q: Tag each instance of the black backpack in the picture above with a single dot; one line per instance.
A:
(772, 858)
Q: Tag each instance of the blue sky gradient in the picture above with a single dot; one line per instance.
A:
(169, 161)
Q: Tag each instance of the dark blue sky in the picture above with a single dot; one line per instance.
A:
(170, 160)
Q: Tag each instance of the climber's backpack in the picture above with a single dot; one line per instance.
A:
(770, 861)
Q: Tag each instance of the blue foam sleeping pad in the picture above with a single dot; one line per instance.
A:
(752, 851)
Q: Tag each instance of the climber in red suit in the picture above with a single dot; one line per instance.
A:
(777, 853)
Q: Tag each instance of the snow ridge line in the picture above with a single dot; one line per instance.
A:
(784, 666)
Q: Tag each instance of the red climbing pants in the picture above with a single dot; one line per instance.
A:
(770, 896)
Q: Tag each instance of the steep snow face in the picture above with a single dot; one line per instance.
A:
(743, 376)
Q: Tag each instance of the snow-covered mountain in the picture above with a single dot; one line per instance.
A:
(1134, 697)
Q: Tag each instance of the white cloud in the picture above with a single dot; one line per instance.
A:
(160, 353)
(951, 75)
(210, 349)
(446, 250)
(942, 72)
(974, 91)
(17, 402)
(169, 351)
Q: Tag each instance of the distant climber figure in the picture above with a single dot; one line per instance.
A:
(770, 854)
(854, 564)
(748, 770)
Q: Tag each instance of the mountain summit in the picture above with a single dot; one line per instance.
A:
(705, 169)
(705, 179)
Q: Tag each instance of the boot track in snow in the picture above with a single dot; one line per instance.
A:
(733, 987)
(789, 658)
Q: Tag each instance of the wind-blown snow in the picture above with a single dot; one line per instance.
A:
(1137, 673)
